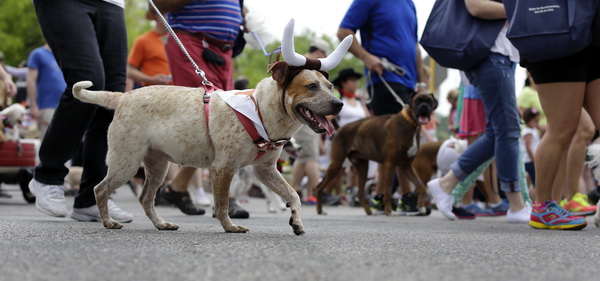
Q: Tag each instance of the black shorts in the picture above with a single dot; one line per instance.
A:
(580, 67)
(382, 100)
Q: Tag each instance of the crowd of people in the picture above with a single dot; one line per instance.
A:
(505, 155)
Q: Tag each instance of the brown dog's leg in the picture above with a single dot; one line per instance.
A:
(221, 176)
(385, 184)
(267, 173)
(362, 169)
(155, 169)
(328, 180)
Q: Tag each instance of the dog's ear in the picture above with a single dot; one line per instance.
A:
(435, 102)
(279, 71)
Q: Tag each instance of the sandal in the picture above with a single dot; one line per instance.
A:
(180, 199)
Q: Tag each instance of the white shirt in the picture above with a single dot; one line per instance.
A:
(504, 47)
(120, 3)
(350, 113)
(535, 140)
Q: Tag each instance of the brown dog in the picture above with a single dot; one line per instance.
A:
(391, 140)
(170, 124)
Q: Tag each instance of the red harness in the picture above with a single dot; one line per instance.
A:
(262, 144)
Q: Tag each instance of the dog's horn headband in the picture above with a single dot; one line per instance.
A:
(295, 59)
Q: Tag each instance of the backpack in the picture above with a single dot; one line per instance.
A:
(549, 29)
(456, 39)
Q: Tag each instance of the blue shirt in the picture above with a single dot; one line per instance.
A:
(50, 83)
(388, 28)
(219, 19)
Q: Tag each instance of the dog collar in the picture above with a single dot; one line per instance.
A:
(245, 107)
(408, 118)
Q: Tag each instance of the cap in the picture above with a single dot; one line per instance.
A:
(321, 45)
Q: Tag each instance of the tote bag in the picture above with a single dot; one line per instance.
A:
(455, 38)
(549, 29)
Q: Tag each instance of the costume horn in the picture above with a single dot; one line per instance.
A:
(295, 59)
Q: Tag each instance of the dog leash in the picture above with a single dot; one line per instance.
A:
(262, 46)
(387, 65)
(208, 86)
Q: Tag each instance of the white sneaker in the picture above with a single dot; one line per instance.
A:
(443, 200)
(201, 198)
(49, 199)
(93, 214)
(521, 216)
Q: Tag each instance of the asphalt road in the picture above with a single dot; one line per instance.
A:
(343, 245)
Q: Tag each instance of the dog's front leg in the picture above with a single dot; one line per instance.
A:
(221, 179)
(267, 173)
(387, 175)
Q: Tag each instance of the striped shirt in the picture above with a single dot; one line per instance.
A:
(219, 19)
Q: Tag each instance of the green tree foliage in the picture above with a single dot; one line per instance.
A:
(19, 30)
(135, 19)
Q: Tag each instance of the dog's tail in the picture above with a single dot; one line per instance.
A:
(103, 98)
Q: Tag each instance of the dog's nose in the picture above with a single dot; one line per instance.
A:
(337, 105)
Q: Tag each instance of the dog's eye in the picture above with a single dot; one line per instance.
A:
(312, 86)
(330, 86)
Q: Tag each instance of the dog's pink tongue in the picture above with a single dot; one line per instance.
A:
(325, 123)
(423, 120)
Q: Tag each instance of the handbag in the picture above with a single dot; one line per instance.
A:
(455, 38)
(549, 29)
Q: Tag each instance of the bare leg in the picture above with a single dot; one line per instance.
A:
(576, 156)
(182, 179)
(563, 112)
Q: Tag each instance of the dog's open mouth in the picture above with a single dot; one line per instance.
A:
(423, 120)
(316, 122)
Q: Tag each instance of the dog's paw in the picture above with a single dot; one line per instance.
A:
(298, 228)
(236, 229)
(167, 226)
(113, 224)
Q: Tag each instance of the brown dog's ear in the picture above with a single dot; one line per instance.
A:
(279, 71)
(435, 102)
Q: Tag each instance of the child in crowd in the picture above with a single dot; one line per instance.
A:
(531, 138)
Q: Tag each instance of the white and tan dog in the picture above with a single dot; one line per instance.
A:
(243, 181)
(169, 124)
(13, 116)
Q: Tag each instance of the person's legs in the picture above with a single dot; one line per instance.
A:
(562, 103)
(109, 24)
(182, 179)
(312, 172)
(575, 161)
(494, 79)
(61, 22)
(44, 120)
(496, 89)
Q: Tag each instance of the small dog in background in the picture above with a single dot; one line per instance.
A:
(593, 154)
(12, 117)
(243, 181)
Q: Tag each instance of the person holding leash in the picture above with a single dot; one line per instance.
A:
(211, 42)
(388, 32)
